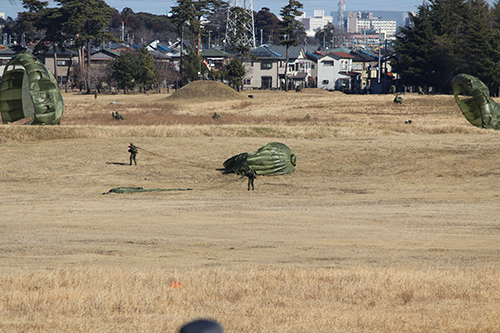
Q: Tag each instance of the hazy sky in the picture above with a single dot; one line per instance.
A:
(160, 7)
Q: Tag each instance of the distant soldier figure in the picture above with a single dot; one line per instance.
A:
(95, 94)
(251, 177)
(133, 153)
(117, 116)
(420, 90)
(215, 116)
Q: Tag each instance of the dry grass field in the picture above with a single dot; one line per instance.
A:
(384, 226)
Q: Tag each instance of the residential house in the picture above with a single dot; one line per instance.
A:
(267, 70)
(347, 79)
(65, 58)
(332, 70)
(365, 64)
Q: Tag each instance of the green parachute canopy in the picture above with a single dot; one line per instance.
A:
(29, 89)
(271, 159)
(478, 107)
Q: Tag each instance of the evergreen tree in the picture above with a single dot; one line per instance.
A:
(449, 37)
(182, 15)
(203, 8)
(192, 66)
(480, 43)
(420, 50)
(289, 29)
(269, 24)
(235, 72)
(125, 70)
(326, 34)
(86, 21)
(146, 75)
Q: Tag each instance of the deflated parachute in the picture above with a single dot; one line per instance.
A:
(478, 108)
(271, 159)
(28, 89)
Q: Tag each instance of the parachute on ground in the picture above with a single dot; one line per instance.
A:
(271, 159)
(478, 107)
(29, 89)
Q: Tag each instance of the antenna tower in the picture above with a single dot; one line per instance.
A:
(340, 16)
(240, 23)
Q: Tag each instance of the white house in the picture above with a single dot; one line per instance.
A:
(333, 70)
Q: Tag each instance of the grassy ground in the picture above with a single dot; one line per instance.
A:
(384, 226)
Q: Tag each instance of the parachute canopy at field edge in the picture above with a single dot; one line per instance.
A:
(29, 89)
(477, 106)
(271, 159)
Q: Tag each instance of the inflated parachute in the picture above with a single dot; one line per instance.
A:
(271, 159)
(478, 107)
(28, 89)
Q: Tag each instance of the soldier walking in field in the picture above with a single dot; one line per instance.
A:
(133, 153)
(251, 174)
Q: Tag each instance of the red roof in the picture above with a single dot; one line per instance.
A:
(343, 55)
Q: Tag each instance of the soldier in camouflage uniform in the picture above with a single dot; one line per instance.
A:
(251, 174)
(133, 153)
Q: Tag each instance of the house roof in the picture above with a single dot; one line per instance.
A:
(264, 52)
(104, 54)
(7, 52)
(343, 55)
(215, 53)
(370, 54)
(362, 57)
(293, 51)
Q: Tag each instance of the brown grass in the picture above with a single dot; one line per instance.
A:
(383, 227)
(259, 299)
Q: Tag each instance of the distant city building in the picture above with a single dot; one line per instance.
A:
(361, 23)
(2, 15)
(313, 24)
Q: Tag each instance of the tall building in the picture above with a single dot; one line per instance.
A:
(358, 23)
(315, 23)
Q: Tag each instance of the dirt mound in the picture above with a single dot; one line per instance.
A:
(206, 91)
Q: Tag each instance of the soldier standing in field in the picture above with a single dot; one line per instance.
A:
(251, 174)
(133, 153)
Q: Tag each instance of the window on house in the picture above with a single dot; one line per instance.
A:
(326, 81)
(312, 66)
(266, 65)
(328, 63)
(62, 62)
(247, 81)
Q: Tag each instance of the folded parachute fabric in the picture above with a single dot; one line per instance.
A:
(271, 159)
(473, 99)
(141, 189)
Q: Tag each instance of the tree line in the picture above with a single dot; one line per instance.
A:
(446, 38)
(80, 24)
